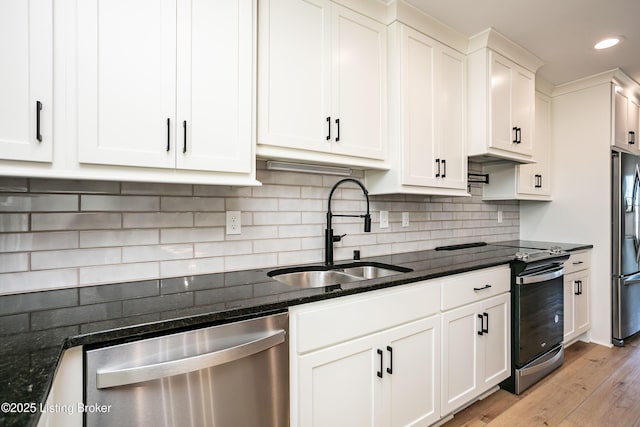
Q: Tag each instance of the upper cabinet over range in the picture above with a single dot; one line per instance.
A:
(501, 98)
(322, 93)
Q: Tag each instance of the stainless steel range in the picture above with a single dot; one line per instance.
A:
(537, 306)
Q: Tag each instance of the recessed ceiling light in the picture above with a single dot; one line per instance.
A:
(607, 43)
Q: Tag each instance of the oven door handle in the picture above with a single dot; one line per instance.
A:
(254, 344)
(541, 276)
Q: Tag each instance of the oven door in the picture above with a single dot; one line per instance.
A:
(539, 312)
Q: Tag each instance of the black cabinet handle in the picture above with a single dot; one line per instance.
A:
(486, 316)
(578, 290)
(38, 110)
(438, 166)
(168, 134)
(184, 144)
(519, 135)
(390, 368)
(632, 137)
(515, 135)
(578, 262)
(338, 124)
(482, 288)
(379, 373)
(328, 128)
(538, 183)
(444, 168)
(480, 332)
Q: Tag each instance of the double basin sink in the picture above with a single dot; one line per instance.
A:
(315, 276)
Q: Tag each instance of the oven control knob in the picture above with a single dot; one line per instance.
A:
(522, 256)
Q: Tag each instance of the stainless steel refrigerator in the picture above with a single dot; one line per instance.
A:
(625, 221)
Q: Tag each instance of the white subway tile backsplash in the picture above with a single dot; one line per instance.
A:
(119, 203)
(27, 242)
(14, 222)
(157, 220)
(191, 235)
(47, 260)
(75, 221)
(156, 253)
(14, 262)
(38, 203)
(95, 239)
(16, 283)
(61, 233)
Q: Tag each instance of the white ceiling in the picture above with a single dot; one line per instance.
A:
(559, 32)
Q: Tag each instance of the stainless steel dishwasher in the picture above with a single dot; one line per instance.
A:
(236, 374)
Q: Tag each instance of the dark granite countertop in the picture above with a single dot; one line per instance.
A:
(37, 327)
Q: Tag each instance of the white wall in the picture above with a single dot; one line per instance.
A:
(580, 211)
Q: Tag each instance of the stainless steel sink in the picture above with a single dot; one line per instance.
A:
(371, 271)
(315, 276)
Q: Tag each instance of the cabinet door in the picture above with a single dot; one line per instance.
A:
(215, 54)
(459, 356)
(294, 74)
(621, 103)
(127, 82)
(522, 105)
(339, 386)
(413, 357)
(581, 306)
(494, 357)
(450, 117)
(359, 84)
(418, 148)
(512, 103)
(535, 178)
(26, 42)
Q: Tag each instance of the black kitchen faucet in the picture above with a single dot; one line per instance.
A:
(329, 237)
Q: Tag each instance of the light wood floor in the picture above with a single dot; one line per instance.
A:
(596, 386)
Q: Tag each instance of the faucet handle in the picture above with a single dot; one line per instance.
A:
(338, 238)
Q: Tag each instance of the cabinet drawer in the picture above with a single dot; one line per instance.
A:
(466, 288)
(321, 324)
(578, 261)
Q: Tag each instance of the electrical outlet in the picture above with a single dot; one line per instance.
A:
(499, 217)
(405, 219)
(384, 219)
(234, 222)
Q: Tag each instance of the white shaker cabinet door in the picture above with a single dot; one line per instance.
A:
(214, 74)
(359, 89)
(26, 87)
(294, 74)
(127, 82)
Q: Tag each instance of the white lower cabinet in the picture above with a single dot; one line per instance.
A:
(403, 356)
(388, 379)
(475, 350)
(576, 296)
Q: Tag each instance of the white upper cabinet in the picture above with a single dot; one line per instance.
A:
(501, 99)
(531, 181)
(321, 83)
(26, 86)
(427, 92)
(127, 82)
(626, 115)
(166, 84)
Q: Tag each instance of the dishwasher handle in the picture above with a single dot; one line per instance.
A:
(127, 376)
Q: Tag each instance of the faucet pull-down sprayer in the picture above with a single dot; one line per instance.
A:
(329, 236)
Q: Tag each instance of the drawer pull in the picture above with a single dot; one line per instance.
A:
(379, 373)
(578, 262)
(482, 288)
